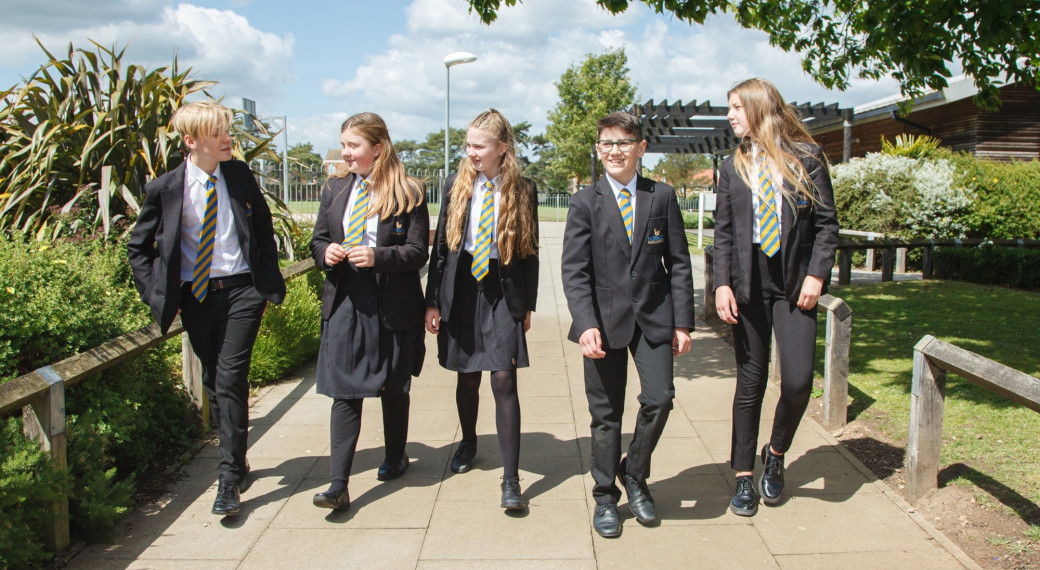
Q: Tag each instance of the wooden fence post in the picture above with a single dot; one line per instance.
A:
(927, 260)
(44, 421)
(927, 395)
(844, 266)
(888, 255)
(836, 362)
(192, 368)
(900, 260)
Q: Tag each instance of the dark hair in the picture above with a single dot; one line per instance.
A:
(621, 120)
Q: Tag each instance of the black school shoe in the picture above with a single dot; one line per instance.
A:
(512, 500)
(606, 520)
(327, 500)
(463, 459)
(639, 499)
(745, 500)
(388, 470)
(772, 482)
(227, 502)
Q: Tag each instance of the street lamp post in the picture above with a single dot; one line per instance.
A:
(450, 60)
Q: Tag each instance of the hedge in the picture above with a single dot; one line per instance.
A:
(990, 265)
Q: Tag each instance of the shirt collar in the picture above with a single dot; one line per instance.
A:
(482, 178)
(200, 175)
(617, 185)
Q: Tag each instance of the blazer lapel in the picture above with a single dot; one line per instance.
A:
(338, 209)
(610, 211)
(644, 205)
(173, 203)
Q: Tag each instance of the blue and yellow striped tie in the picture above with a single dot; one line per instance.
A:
(625, 204)
(768, 224)
(482, 249)
(356, 228)
(204, 257)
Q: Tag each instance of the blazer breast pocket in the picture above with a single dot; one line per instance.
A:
(656, 234)
(398, 232)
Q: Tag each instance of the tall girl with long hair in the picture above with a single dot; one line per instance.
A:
(482, 287)
(775, 236)
(371, 237)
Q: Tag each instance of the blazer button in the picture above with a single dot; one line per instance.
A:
(634, 274)
(635, 299)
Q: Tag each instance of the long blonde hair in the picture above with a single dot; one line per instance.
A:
(516, 223)
(777, 129)
(395, 192)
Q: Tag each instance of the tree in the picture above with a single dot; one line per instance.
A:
(681, 170)
(304, 154)
(427, 157)
(599, 86)
(913, 42)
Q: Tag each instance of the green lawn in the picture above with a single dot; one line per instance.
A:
(989, 441)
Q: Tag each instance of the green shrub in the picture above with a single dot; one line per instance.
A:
(59, 300)
(1007, 204)
(28, 485)
(990, 265)
(689, 220)
(289, 333)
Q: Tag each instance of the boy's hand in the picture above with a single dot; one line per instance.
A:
(680, 341)
(591, 344)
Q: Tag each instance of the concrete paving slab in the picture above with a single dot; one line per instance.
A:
(936, 559)
(335, 548)
(702, 546)
(542, 478)
(462, 530)
(506, 564)
(374, 504)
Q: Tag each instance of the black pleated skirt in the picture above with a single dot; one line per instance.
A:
(358, 357)
(482, 335)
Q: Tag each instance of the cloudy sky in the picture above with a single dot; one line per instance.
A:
(318, 61)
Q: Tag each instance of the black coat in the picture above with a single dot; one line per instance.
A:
(613, 285)
(401, 250)
(154, 249)
(519, 279)
(808, 231)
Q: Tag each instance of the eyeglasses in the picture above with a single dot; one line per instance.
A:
(624, 145)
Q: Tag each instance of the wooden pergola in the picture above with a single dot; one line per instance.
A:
(702, 128)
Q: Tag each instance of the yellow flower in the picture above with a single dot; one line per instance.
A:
(995, 180)
(61, 261)
(5, 195)
(10, 290)
(44, 247)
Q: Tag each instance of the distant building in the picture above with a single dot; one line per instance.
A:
(950, 115)
(333, 163)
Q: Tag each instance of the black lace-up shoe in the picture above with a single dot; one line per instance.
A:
(606, 521)
(639, 499)
(512, 500)
(329, 500)
(227, 502)
(772, 482)
(463, 459)
(391, 469)
(745, 500)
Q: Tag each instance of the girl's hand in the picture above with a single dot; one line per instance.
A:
(361, 256)
(433, 320)
(527, 322)
(334, 254)
(810, 294)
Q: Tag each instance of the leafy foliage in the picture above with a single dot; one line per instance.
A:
(990, 265)
(901, 197)
(289, 333)
(78, 114)
(1007, 204)
(27, 484)
(914, 42)
(910, 146)
(684, 170)
(588, 92)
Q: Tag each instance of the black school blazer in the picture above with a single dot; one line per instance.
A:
(154, 249)
(808, 232)
(519, 279)
(401, 250)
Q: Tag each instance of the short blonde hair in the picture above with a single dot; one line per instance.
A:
(201, 119)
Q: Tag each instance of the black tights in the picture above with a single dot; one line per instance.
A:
(507, 413)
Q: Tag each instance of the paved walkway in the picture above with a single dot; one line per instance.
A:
(836, 515)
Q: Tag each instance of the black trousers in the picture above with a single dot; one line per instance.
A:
(222, 330)
(768, 311)
(605, 380)
(345, 427)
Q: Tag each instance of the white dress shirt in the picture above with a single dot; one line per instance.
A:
(227, 252)
(474, 213)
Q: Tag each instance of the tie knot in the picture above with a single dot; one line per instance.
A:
(364, 184)
(489, 186)
(626, 193)
(211, 181)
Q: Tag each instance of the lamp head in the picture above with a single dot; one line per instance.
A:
(459, 57)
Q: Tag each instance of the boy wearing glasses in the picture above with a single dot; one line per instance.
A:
(629, 286)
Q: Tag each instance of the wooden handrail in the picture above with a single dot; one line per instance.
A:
(40, 394)
(933, 358)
